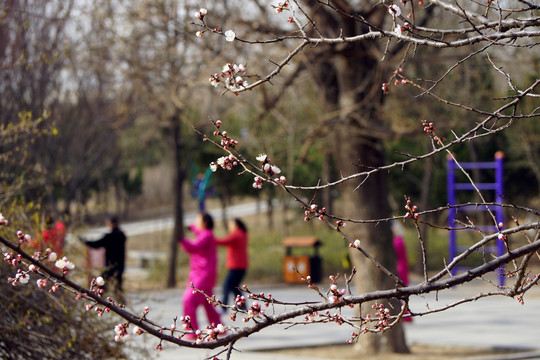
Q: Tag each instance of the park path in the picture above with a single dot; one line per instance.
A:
(142, 227)
(496, 323)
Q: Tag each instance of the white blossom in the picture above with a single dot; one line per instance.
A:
(214, 81)
(100, 281)
(199, 15)
(22, 277)
(221, 161)
(230, 35)
(394, 10)
(261, 157)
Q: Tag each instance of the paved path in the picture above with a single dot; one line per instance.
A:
(497, 322)
(142, 227)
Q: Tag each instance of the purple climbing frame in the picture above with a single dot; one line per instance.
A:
(496, 186)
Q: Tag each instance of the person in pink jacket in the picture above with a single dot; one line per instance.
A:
(402, 264)
(203, 270)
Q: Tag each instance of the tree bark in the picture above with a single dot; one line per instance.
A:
(351, 80)
(179, 177)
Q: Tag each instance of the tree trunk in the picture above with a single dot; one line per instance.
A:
(179, 177)
(369, 201)
(359, 145)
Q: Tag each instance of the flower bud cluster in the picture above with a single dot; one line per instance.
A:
(501, 236)
(269, 169)
(429, 128)
(381, 321)
(308, 281)
(398, 78)
(335, 294)
(41, 283)
(311, 316)
(121, 332)
(186, 322)
(356, 244)
(282, 6)
(314, 211)
(225, 162)
(21, 277)
(239, 301)
(231, 75)
(394, 10)
(226, 140)
(51, 255)
(12, 259)
(199, 15)
(212, 333)
(255, 309)
(354, 337)
(64, 264)
(100, 311)
(398, 71)
(337, 318)
(411, 210)
(23, 238)
(257, 182)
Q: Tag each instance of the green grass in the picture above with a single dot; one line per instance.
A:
(266, 251)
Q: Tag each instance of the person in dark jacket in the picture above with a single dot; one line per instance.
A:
(115, 252)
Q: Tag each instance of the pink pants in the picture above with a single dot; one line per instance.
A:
(193, 301)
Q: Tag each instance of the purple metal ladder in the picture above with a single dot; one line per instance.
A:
(497, 187)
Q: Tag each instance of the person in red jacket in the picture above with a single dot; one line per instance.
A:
(52, 236)
(237, 258)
